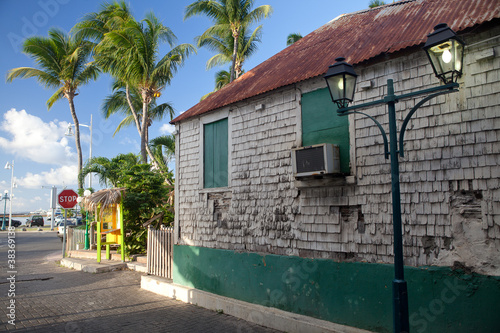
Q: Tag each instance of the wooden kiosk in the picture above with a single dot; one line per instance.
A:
(108, 208)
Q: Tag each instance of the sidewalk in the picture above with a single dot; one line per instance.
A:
(253, 313)
(86, 261)
(50, 298)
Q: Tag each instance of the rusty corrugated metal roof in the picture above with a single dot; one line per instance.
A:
(358, 37)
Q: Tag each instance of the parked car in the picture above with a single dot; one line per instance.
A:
(15, 223)
(70, 223)
(58, 220)
(35, 220)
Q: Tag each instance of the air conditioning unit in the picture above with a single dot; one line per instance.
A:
(316, 160)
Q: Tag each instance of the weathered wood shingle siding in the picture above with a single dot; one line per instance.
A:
(450, 188)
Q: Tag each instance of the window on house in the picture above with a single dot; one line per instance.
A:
(215, 154)
(320, 124)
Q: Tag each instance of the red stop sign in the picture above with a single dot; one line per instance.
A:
(67, 198)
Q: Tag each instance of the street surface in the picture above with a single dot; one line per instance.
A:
(37, 295)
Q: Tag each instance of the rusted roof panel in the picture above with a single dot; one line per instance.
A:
(358, 37)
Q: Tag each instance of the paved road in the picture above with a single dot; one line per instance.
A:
(50, 298)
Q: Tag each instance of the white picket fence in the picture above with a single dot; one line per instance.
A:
(76, 239)
(160, 251)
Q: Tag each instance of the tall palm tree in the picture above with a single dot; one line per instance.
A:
(117, 103)
(62, 61)
(129, 51)
(131, 55)
(112, 16)
(292, 38)
(229, 16)
(224, 45)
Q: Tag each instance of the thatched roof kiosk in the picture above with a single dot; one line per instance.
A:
(104, 198)
(109, 226)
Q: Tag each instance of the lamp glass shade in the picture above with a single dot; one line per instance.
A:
(341, 81)
(446, 52)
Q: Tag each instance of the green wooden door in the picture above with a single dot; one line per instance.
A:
(215, 157)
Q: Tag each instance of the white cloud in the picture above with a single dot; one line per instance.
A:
(35, 140)
(167, 129)
(65, 175)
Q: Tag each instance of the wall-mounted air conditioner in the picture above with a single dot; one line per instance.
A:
(316, 160)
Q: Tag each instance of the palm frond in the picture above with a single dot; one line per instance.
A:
(47, 79)
(55, 97)
(292, 38)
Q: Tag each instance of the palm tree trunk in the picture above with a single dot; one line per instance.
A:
(77, 137)
(144, 128)
(237, 69)
(236, 37)
(141, 128)
(134, 113)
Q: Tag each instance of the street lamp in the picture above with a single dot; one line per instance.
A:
(341, 81)
(69, 132)
(445, 51)
(5, 198)
(11, 167)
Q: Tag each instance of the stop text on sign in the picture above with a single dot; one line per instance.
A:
(68, 198)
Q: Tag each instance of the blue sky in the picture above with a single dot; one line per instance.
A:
(34, 138)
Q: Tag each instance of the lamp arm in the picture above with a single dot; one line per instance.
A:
(450, 87)
(360, 106)
(413, 110)
(384, 135)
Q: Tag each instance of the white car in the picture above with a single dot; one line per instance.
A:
(58, 220)
(70, 223)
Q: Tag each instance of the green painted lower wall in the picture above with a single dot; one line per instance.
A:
(353, 294)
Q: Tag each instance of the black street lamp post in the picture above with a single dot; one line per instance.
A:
(445, 52)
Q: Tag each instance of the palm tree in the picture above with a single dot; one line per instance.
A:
(109, 171)
(94, 26)
(292, 38)
(129, 51)
(131, 55)
(163, 148)
(375, 3)
(229, 16)
(221, 79)
(62, 65)
(117, 103)
(224, 45)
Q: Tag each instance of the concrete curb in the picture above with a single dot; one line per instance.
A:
(92, 266)
(88, 267)
(254, 313)
(138, 267)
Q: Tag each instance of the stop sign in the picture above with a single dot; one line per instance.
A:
(67, 198)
